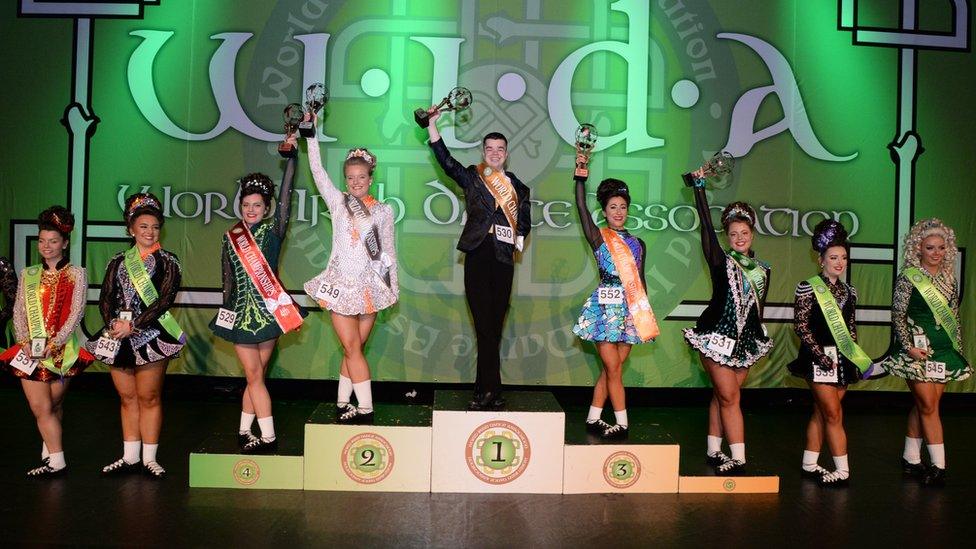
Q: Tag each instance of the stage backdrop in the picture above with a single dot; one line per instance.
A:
(827, 104)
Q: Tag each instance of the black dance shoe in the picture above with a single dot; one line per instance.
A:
(916, 470)
(244, 438)
(615, 432)
(834, 479)
(120, 467)
(489, 401)
(260, 446)
(46, 471)
(153, 470)
(732, 468)
(597, 427)
(935, 476)
(816, 474)
(355, 416)
(716, 459)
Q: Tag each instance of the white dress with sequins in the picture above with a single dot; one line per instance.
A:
(353, 283)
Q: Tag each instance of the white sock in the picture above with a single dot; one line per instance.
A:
(713, 445)
(149, 452)
(364, 395)
(810, 459)
(130, 451)
(44, 452)
(55, 460)
(937, 455)
(621, 416)
(913, 450)
(345, 390)
(246, 421)
(738, 451)
(267, 428)
(594, 414)
(841, 467)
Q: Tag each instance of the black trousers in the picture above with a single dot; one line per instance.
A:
(488, 289)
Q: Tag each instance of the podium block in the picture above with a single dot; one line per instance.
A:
(645, 463)
(392, 455)
(516, 450)
(218, 463)
(729, 485)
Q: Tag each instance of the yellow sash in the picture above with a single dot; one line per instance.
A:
(504, 193)
(637, 303)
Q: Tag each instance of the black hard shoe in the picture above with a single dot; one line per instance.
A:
(597, 427)
(244, 438)
(260, 446)
(356, 416)
(343, 408)
(732, 468)
(835, 479)
(916, 470)
(615, 432)
(154, 470)
(816, 474)
(489, 401)
(934, 476)
(717, 458)
(46, 471)
(120, 467)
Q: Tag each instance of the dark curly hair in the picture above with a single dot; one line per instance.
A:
(57, 218)
(610, 188)
(142, 204)
(738, 211)
(827, 234)
(257, 183)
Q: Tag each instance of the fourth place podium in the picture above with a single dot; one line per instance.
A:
(527, 448)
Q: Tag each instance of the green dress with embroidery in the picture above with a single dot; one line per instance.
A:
(911, 316)
(253, 323)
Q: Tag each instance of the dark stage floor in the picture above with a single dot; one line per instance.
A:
(878, 509)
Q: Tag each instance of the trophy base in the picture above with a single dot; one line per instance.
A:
(581, 174)
(306, 129)
(287, 150)
(421, 117)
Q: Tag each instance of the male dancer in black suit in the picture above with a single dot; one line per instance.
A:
(497, 206)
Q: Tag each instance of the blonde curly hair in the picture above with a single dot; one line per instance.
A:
(923, 229)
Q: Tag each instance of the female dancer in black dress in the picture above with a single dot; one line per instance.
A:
(140, 336)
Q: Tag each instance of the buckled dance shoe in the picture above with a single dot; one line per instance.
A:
(489, 401)
(597, 427)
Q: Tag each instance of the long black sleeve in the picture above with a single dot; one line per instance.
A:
(8, 285)
(451, 167)
(283, 212)
(709, 241)
(590, 230)
(168, 288)
(106, 298)
(643, 265)
(226, 273)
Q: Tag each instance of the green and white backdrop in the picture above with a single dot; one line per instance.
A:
(829, 105)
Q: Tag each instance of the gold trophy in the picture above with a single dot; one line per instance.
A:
(716, 172)
(293, 117)
(585, 142)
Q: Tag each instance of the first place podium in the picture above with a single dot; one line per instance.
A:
(515, 450)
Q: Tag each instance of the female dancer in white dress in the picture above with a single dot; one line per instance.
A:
(361, 277)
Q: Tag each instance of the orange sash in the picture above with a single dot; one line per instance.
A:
(276, 299)
(504, 193)
(637, 303)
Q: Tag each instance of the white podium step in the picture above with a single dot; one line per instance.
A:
(392, 455)
(516, 450)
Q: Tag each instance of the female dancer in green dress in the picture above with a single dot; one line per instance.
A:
(927, 348)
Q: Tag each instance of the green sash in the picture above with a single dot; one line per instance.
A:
(35, 321)
(144, 286)
(937, 303)
(753, 271)
(838, 328)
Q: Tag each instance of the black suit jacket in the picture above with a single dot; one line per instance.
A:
(479, 204)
